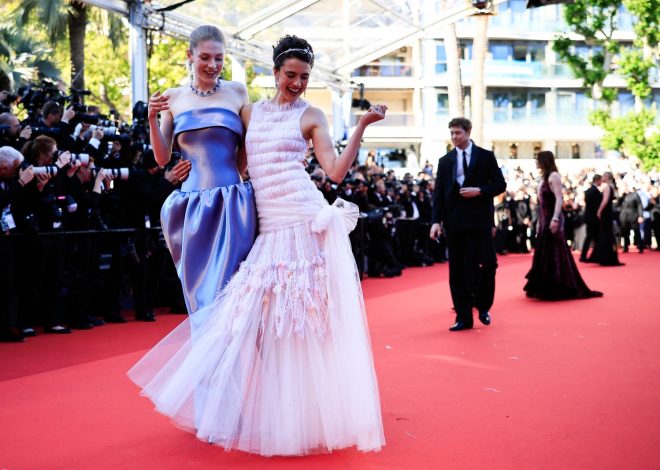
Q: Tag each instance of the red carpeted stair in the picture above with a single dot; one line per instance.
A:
(564, 385)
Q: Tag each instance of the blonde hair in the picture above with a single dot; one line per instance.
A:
(205, 33)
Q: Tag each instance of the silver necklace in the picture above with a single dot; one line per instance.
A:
(204, 94)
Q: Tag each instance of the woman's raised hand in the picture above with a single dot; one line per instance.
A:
(375, 113)
(158, 103)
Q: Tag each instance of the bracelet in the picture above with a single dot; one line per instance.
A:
(555, 219)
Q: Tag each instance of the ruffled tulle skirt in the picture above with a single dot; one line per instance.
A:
(283, 363)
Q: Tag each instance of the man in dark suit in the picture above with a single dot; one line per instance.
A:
(468, 179)
(631, 215)
(592, 199)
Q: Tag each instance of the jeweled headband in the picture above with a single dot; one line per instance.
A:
(307, 52)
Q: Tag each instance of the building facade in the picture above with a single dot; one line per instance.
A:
(533, 101)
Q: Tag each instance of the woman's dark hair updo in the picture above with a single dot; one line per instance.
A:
(292, 46)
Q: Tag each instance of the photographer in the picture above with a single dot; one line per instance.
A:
(11, 133)
(163, 281)
(130, 205)
(381, 238)
(379, 196)
(55, 122)
(39, 209)
(12, 181)
(87, 139)
(85, 188)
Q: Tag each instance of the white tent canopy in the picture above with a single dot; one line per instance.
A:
(345, 34)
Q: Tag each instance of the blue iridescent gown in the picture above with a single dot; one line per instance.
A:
(211, 223)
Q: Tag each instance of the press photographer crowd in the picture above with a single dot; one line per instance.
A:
(81, 192)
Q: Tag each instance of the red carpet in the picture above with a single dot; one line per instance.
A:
(566, 385)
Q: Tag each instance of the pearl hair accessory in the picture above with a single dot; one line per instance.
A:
(307, 52)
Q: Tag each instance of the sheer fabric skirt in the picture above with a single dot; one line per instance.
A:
(282, 364)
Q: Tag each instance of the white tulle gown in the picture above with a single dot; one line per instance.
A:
(283, 365)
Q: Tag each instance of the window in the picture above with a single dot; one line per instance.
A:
(440, 59)
(537, 101)
(466, 51)
(626, 102)
(537, 53)
(500, 51)
(519, 103)
(519, 7)
(443, 103)
(565, 101)
(501, 106)
(520, 52)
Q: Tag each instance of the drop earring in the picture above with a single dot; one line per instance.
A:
(190, 70)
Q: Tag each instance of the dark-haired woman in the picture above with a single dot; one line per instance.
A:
(285, 353)
(554, 274)
(605, 248)
(210, 224)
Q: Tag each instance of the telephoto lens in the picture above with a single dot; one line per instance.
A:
(108, 131)
(83, 158)
(117, 173)
(45, 170)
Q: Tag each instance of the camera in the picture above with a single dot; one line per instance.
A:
(33, 97)
(113, 173)
(45, 170)
(83, 158)
(109, 131)
(49, 131)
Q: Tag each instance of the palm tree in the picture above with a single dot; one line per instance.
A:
(23, 59)
(478, 95)
(454, 84)
(59, 18)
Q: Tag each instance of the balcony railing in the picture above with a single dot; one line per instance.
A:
(521, 116)
(518, 69)
(383, 70)
(539, 117)
(393, 119)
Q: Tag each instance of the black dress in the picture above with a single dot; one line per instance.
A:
(605, 248)
(554, 274)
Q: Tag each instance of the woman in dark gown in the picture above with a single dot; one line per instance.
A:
(554, 274)
(605, 248)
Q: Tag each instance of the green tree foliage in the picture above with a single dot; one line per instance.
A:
(636, 134)
(23, 59)
(647, 21)
(595, 21)
(108, 73)
(632, 135)
(60, 19)
(637, 71)
(167, 62)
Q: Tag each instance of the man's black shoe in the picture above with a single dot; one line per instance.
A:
(57, 330)
(11, 337)
(458, 326)
(484, 317)
(116, 318)
(146, 316)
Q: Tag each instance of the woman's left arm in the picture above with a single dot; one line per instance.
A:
(554, 180)
(315, 126)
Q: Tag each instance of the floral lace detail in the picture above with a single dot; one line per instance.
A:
(293, 296)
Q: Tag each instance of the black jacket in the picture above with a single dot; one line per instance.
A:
(592, 199)
(459, 214)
